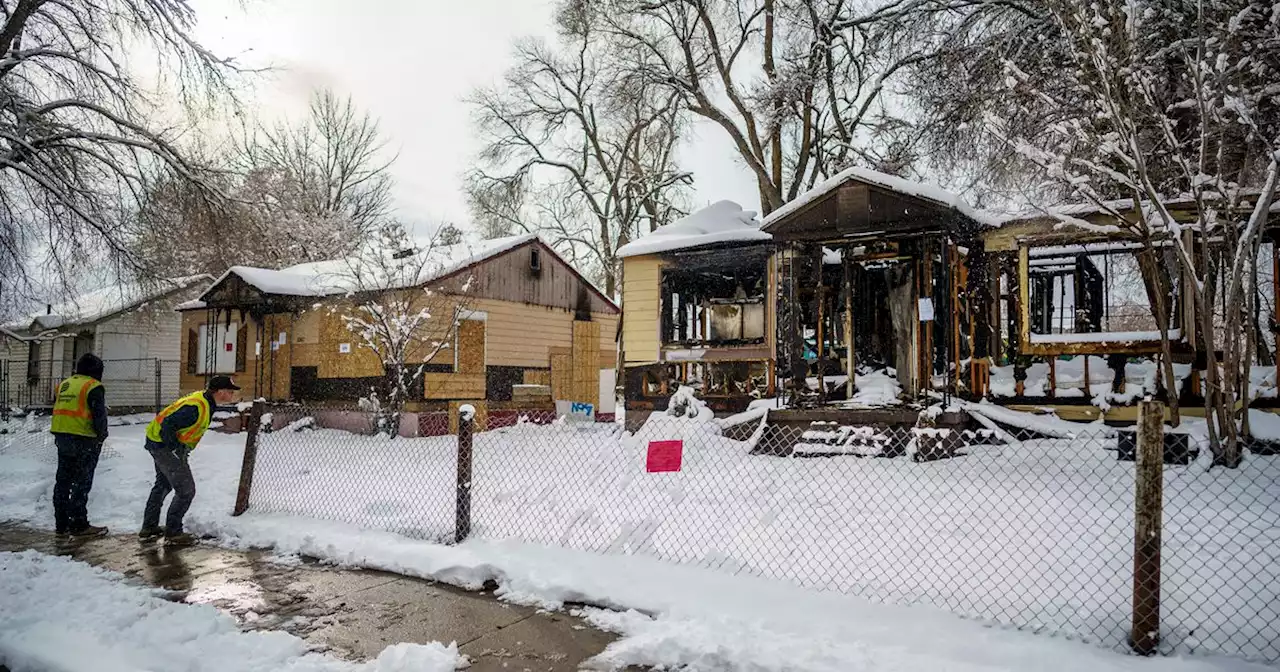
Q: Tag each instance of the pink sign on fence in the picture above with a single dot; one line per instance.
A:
(664, 456)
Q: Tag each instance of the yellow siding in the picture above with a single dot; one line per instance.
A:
(640, 303)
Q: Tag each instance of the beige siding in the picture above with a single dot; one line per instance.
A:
(640, 299)
(519, 334)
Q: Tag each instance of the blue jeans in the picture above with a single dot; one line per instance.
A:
(173, 474)
(77, 461)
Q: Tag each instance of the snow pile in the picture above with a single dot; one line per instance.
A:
(300, 424)
(875, 388)
(65, 616)
(1047, 424)
(720, 222)
(1140, 380)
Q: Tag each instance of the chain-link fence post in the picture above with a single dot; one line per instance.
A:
(1147, 509)
(159, 387)
(250, 459)
(466, 422)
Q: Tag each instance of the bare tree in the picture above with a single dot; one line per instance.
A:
(798, 87)
(395, 312)
(1212, 136)
(78, 129)
(577, 148)
(335, 162)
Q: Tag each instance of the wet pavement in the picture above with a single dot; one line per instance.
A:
(349, 613)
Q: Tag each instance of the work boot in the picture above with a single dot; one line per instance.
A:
(150, 533)
(179, 540)
(89, 531)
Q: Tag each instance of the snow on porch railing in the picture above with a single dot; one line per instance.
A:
(1016, 519)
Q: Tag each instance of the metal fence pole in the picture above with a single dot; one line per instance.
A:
(159, 386)
(1147, 509)
(466, 421)
(250, 459)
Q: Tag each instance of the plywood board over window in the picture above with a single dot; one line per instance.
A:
(471, 346)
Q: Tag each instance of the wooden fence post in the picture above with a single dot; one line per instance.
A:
(466, 423)
(1147, 508)
(250, 459)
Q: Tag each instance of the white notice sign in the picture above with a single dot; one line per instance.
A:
(926, 309)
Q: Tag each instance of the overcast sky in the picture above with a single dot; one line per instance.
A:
(410, 63)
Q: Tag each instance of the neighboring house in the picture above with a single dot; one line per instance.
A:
(131, 327)
(532, 331)
(698, 312)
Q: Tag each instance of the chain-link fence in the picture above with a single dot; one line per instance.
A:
(1030, 527)
(135, 390)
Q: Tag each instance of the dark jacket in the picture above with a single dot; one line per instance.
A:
(90, 365)
(172, 425)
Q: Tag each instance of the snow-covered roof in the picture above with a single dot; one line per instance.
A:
(922, 190)
(334, 276)
(718, 223)
(104, 302)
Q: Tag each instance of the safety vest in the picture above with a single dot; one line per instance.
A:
(71, 414)
(189, 435)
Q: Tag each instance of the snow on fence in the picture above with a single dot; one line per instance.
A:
(1008, 525)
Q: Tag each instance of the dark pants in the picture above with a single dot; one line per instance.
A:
(173, 474)
(77, 460)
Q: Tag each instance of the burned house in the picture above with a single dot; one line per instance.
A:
(873, 277)
(530, 331)
(698, 311)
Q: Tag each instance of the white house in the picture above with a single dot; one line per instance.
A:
(134, 329)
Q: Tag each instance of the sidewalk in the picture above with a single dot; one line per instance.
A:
(351, 614)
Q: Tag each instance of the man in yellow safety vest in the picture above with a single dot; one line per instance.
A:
(79, 428)
(170, 439)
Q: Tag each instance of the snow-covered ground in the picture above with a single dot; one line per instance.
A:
(61, 615)
(1140, 379)
(1036, 536)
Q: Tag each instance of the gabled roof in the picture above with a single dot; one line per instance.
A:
(717, 224)
(330, 277)
(103, 303)
(335, 276)
(930, 194)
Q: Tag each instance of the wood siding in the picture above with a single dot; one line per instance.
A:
(641, 297)
(510, 277)
(520, 335)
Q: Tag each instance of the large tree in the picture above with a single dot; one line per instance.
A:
(295, 192)
(1152, 101)
(798, 86)
(577, 148)
(336, 159)
(78, 129)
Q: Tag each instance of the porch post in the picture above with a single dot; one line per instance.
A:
(848, 321)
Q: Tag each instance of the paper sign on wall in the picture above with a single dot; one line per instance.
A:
(282, 340)
(257, 348)
(344, 348)
(274, 346)
(664, 456)
(926, 309)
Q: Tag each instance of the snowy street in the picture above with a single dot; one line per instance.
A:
(664, 614)
(347, 614)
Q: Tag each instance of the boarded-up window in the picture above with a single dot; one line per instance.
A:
(242, 342)
(471, 346)
(193, 351)
(219, 346)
